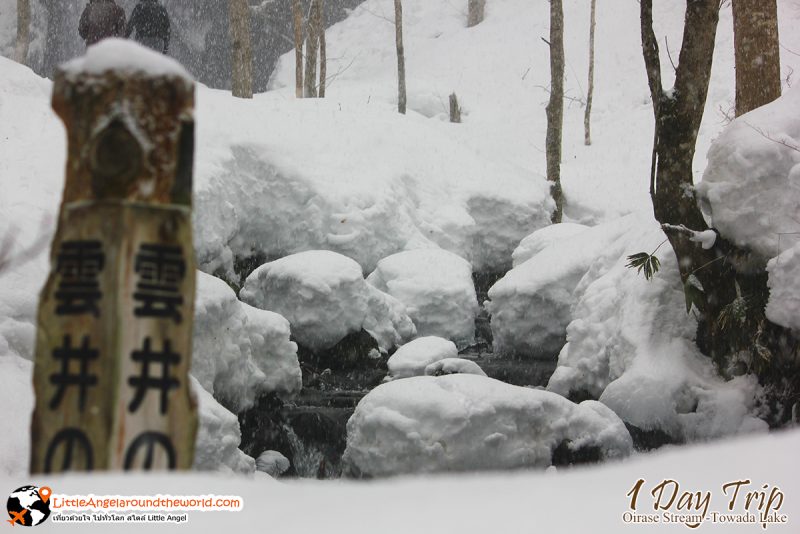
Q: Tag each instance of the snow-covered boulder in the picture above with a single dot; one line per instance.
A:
(531, 305)
(413, 358)
(218, 437)
(751, 187)
(543, 238)
(466, 422)
(324, 296)
(631, 345)
(239, 352)
(784, 289)
(436, 287)
(454, 366)
(272, 463)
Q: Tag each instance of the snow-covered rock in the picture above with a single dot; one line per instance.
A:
(751, 187)
(783, 307)
(413, 358)
(531, 305)
(453, 366)
(467, 422)
(543, 238)
(239, 352)
(272, 463)
(631, 345)
(324, 296)
(218, 437)
(436, 287)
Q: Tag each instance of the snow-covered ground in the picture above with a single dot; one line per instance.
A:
(277, 176)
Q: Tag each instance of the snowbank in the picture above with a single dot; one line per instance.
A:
(467, 422)
(436, 287)
(324, 296)
(16, 398)
(413, 358)
(631, 345)
(239, 352)
(531, 305)
(453, 366)
(218, 438)
(751, 187)
(543, 238)
(784, 289)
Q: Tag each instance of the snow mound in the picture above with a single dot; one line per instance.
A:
(376, 184)
(467, 422)
(218, 437)
(531, 305)
(543, 238)
(272, 463)
(783, 307)
(124, 55)
(413, 358)
(751, 187)
(631, 345)
(239, 352)
(16, 397)
(453, 366)
(324, 296)
(436, 287)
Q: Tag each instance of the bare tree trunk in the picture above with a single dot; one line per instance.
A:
(758, 62)
(297, 15)
(242, 70)
(476, 12)
(587, 118)
(401, 57)
(323, 51)
(455, 109)
(555, 108)
(23, 31)
(312, 49)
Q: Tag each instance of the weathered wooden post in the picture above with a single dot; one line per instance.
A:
(114, 336)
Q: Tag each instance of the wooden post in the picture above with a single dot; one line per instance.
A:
(114, 337)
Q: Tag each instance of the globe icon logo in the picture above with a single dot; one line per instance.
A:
(28, 506)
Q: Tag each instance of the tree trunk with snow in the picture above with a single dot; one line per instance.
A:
(555, 108)
(758, 61)
(23, 31)
(587, 117)
(242, 49)
(678, 114)
(476, 10)
(401, 58)
(297, 16)
(323, 51)
(312, 48)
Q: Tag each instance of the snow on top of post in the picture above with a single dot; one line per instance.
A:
(123, 55)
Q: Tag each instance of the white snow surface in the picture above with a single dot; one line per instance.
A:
(218, 437)
(543, 238)
(436, 287)
(239, 352)
(783, 307)
(272, 463)
(126, 56)
(414, 357)
(454, 366)
(325, 297)
(465, 422)
(751, 187)
(631, 345)
(531, 305)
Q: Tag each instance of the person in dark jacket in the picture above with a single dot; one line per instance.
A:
(101, 19)
(150, 21)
